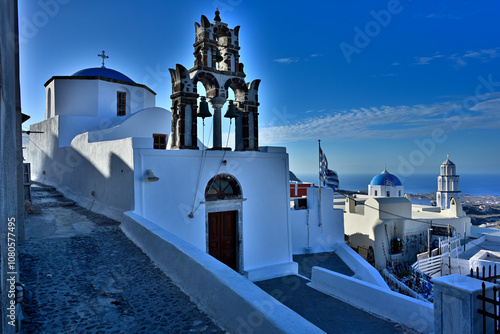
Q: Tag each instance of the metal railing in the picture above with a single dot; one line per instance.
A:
(486, 302)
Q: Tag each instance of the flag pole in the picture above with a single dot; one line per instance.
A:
(319, 179)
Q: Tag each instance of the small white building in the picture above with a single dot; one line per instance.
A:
(385, 185)
(105, 144)
(389, 229)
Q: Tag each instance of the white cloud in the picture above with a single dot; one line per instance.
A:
(423, 60)
(389, 122)
(287, 60)
(385, 75)
(461, 59)
(449, 16)
(426, 60)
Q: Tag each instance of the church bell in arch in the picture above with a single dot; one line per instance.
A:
(231, 110)
(203, 111)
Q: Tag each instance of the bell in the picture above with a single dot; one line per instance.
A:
(150, 176)
(204, 112)
(218, 56)
(231, 110)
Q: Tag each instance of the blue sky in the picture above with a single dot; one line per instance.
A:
(401, 83)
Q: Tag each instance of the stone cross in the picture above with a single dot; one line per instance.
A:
(103, 56)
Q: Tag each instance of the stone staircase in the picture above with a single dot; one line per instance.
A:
(47, 196)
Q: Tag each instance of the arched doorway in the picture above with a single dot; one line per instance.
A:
(223, 200)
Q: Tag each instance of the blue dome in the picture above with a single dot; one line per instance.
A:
(385, 179)
(103, 72)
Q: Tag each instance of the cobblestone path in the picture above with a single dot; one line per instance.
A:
(88, 277)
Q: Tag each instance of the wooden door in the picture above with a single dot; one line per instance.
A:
(222, 237)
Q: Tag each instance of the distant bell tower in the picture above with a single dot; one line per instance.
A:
(217, 66)
(447, 184)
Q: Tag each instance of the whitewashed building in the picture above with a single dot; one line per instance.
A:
(385, 185)
(388, 229)
(105, 144)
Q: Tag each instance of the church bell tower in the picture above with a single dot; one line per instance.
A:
(217, 66)
(447, 184)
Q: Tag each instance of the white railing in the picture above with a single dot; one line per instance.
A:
(432, 265)
(455, 243)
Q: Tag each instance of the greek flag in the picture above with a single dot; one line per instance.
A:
(328, 177)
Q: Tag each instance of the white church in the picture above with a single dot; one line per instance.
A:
(389, 229)
(211, 216)
(105, 144)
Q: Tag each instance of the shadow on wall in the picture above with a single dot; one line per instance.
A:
(364, 246)
(103, 185)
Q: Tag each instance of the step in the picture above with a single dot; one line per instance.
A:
(43, 188)
(43, 194)
(52, 202)
(48, 196)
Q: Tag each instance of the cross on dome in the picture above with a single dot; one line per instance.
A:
(103, 56)
(217, 17)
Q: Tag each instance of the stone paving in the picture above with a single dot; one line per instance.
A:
(327, 260)
(86, 276)
(329, 314)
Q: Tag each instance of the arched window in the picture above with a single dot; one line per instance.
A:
(222, 186)
(48, 113)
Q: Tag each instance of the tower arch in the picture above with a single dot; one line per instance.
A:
(217, 66)
(208, 81)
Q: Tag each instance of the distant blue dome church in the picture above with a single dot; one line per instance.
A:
(385, 185)
(384, 179)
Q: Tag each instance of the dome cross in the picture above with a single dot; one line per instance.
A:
(103, 56)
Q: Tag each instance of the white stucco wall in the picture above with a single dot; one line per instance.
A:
(394, 191)
(415, 314)
(382, 219)
(82, 97)
(104, 168)
(88, 105)
(70, 126)
(143, 124)
(74, 97)
(485, 258)
(263, 176)
(322, 238)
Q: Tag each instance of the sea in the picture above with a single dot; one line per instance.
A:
(469, 184)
